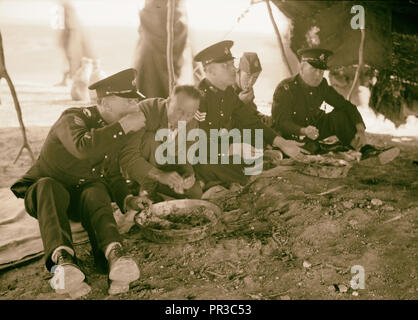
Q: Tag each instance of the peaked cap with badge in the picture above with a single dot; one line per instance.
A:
(121, 84)
(218, 52)
(316, 57)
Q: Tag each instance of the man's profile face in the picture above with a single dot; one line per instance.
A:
(224, 72)
(181, 108)
(118, 107)
(311, 75)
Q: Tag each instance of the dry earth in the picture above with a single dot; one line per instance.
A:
(288, 242)
(285, 222)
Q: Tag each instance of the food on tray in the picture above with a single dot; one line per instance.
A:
(179, 219)
(322, 160)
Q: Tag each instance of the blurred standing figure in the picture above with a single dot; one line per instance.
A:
(73, 40)
(151, 51)
(81, 79)
(96, 75)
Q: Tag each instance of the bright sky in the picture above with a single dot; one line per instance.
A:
(202, 14)
(219, 16)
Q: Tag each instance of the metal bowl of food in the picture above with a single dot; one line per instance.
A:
(324, 167)
(178, 221)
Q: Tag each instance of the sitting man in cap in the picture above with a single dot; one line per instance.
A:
(141, 157)
(77, 176)
(296, 106)
(248, 71)
(221, 107)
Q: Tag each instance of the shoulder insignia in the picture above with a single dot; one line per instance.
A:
(286, 87)
(78, 121)
(200, 116)
(101, 122)
(87, 112)
(213, 89)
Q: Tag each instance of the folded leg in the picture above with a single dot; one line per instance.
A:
(48, 200)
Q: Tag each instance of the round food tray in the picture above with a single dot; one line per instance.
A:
(329, 172)
(154, 226)
(324, 167)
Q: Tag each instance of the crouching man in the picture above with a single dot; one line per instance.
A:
(297, 102)
(142, 157)
(297, 111)
(77, 176)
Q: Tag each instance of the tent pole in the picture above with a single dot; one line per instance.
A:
(170, 38)
(279, 38)
(360, 64)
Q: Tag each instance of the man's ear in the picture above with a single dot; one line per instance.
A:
(105, 103)
(99, 101)
(302, 66)
(209, 69)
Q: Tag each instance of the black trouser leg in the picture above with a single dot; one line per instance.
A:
(337, 123)
(47, 200)
(223, 173)
(195, 192)
(95, 208)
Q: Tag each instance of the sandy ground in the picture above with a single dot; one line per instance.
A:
(288, 223)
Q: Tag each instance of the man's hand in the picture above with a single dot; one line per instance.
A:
(189, 181)
(137, 203)
(311, 132)
(173, 180)
(244, 150)
(133, 122)
(290, 147)
(246, 96)
(359, 139)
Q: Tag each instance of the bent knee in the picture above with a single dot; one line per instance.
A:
(49, 182)
(96, 192)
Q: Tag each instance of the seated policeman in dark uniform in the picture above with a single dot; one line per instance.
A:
(77, 176)
(220, 107)
(296, 106)
(139, 159)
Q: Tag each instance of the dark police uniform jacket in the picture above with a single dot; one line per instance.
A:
(224, 109)
(296, 105)
(80, 148)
